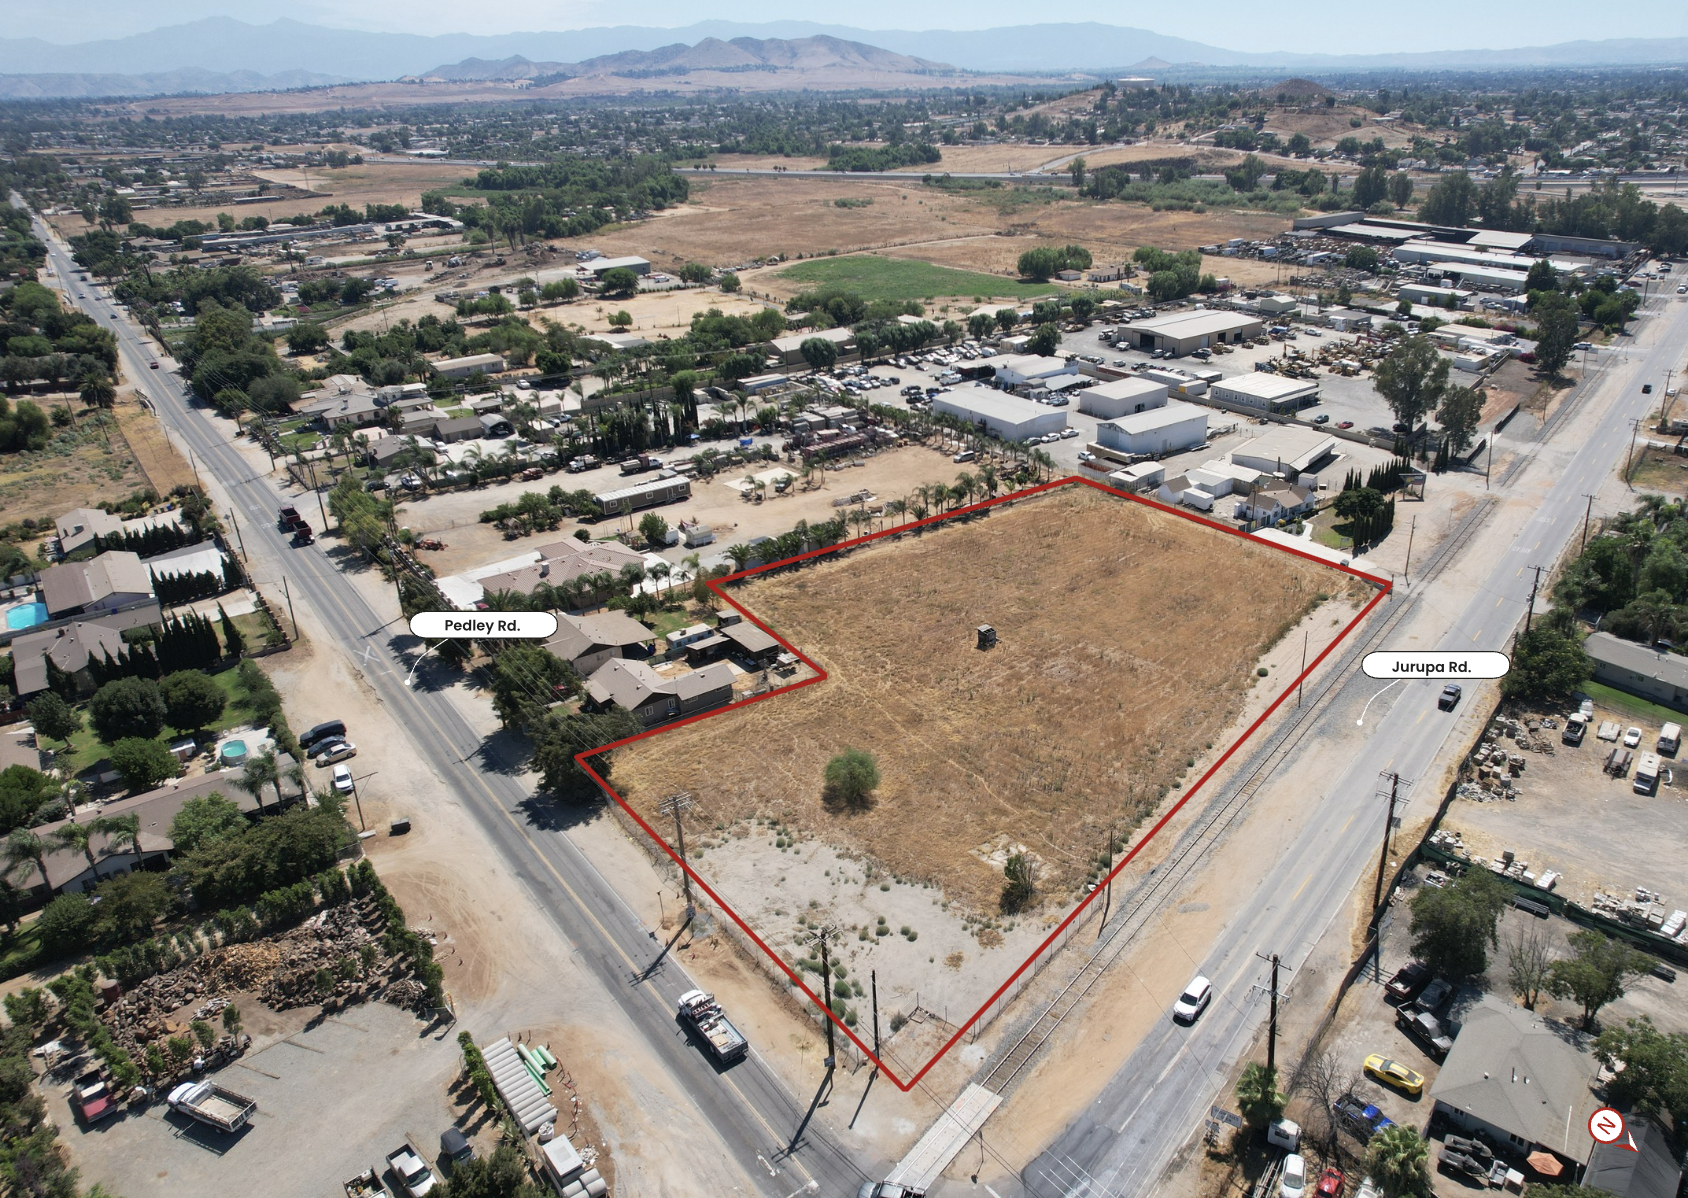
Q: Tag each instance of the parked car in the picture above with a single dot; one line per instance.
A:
(343, 779)
(1322, 418)
(1392, 1073)
(1292, 1182)
(322, 731)
(1408, 981)
(455, 1146)
(1435, 994)
(339, 752)
(1331, 1183)
(1345, 424)
(1632, 737)
(1362, 1119)
(1193, 1001)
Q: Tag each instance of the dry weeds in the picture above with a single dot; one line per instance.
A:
(1128, 643)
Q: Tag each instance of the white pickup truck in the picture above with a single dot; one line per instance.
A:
(412, 1171)
(700, 1012)
(212, 1105)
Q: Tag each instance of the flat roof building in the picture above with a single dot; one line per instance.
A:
(1163, 430)
(1003, 416)
(1186, 332)
(462, 368)
(1266, 392)
(1642, 670)
(1123, 397)
(598, 266)
(1016, 370)
(790, 349)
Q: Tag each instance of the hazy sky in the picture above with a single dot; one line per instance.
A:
(1324, 26)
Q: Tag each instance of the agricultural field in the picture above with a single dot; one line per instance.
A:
(876, 278)
(1126, 648)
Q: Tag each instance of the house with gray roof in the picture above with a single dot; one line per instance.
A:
(587, 642)
(1520, 1079)
(114, 580)
(634, 685)
(1651, 1170)
(1655, 674)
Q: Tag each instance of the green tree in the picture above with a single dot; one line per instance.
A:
(1538, 1190)
(695, 272)
(502, 1174)
(1370, 186)
(730, 282)
(1076, 170)
(1412, 379)
(143, 762)
(1398, 1160)
(849, 780)
(1258, 1096)
(619, 282)
(654, 529)
(1452, 201)
(131, 903)
(1556, 337)
(98, 391)
(204, 819)
(1595, 972)
(1045, 340)
(559, 737)
(1359, 503)
(819, 353)
(1038, 264)
(526, 679)
(1019, 885)
(1400, 189)
(1654, 1079)
(1459, 414)
(1542, 277)
(66, 925)
(307, 338)
(24, 853)
(1360, 257)
(127, 707)
(192, 700)
(54, 718)
(1546, 662)
(1454, 927)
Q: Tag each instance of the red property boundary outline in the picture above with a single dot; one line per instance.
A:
(1384, 588)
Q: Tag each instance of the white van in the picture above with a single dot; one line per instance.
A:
(1670, 739)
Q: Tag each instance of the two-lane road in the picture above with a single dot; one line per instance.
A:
(1156, 1102)
(751, 1112)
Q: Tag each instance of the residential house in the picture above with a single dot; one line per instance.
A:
(462, 368)
(112, 581)
(587, 642)
(1276, 502)
(1655, 674)
(69, 647)
(654, 698)
(342, 400)
(456, 428)
(1642, 1165)
(68, 869)
(561, 564)
(77, 529)
(1519, 1080)
(203, 558)
(1181, 489)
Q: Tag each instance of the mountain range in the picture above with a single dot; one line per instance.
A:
(236, 56)
(821, 52)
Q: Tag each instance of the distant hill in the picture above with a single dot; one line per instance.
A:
(817, 53)
(1296, 89)
(188, 81)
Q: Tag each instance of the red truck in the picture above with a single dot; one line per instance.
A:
(288, 519)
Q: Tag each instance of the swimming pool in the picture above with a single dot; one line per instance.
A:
(26, 615)
(233, 753)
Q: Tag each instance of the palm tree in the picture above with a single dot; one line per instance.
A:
(1399, 1160)
(260, 772)
(661, 571)
(894, 507)
(121, 832)
(22, 850)
(77, 836)
(740, 555)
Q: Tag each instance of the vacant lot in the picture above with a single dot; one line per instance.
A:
(875, 278)
(1128, 641)
(78, 468)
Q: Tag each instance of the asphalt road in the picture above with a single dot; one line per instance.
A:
(1156, 1102)
(751, 1111)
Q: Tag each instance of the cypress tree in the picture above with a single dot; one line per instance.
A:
(231, 635)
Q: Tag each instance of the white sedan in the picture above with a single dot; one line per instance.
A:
(1632, 737)
(343, 779)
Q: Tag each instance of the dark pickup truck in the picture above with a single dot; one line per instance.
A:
(1408, 981)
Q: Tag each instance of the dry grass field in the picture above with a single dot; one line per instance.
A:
(41, 486)
(1129, 639)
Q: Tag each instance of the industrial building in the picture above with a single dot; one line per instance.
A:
(1186, 332)
(1017, 370)
(598, 266)
(1439, 297)
(462, 368)
(789, 350)
(1123, 397)
(1001, 415)
(1287, 450)
(1266, 392)
(1163, 430)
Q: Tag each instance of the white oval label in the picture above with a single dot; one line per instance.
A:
(1436, 663)
(483, 625)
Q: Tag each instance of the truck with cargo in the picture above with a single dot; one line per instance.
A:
(1576, 727)
(1670, 739)
(699, 1011)
(92, 1100)
(583, 463)
(1647, 774)
(213, 1105)
(287, 518)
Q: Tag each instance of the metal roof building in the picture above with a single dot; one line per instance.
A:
(1186, 332)
(1159, 430)
(1123, 397)
(1639, 669)
(1003, 416)
(1265, 392)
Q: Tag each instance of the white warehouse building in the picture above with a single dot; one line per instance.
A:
(1016, 370)
(1002, 415)
(1123, 397)
(1266, 392)
(1156, 431)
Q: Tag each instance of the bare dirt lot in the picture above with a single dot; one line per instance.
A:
(1123, 653)
(45, 484)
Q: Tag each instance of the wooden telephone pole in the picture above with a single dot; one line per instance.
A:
(675, 805)
(821, 936)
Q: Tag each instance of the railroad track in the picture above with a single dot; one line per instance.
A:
(1210, 827)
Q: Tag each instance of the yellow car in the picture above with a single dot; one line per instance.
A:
(1393, 1073)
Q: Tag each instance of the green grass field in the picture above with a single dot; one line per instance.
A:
(876, 278)
(1629, 704)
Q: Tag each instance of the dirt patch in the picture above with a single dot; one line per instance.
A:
(45, 484)
(1124, 651)
(1660, 470)
(165, 468)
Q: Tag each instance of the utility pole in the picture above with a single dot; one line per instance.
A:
(1272, 1021)
(873, 983)
(195, 464)
(820, 936)
(1301, 687)
(1588, 512)
(323, 511)
(290, 614)
(235, 524)
(1388, 825)
(1530, 610)
(673, 805)
(1489, 461)
(1407, 570)
(1635, 435)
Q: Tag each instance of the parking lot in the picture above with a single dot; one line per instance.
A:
(333, 1101)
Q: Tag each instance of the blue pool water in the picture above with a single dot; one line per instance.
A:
(26, 615)
(234, 753)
